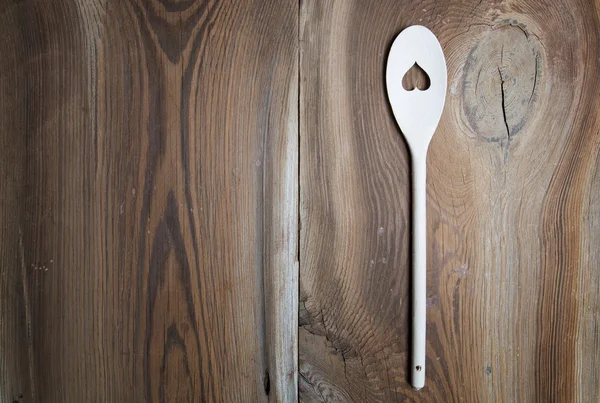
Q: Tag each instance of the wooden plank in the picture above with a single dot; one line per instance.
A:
(150, 146)
(512, 205)
(15, 346)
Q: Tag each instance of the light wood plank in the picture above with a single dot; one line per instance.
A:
(512, 205)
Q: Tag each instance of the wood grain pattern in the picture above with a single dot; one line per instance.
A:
(513, 205)
(149, 165)
(150, 200)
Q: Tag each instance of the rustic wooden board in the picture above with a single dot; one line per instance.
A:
(149, 176)
(513, 205)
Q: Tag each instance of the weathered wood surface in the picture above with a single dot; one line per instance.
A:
(148, 164)
(513, 205)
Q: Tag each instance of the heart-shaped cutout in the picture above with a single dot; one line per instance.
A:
(416, 77)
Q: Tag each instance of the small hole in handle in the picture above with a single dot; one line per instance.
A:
(419, 368)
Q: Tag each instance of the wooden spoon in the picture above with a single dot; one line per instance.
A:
(418, 114)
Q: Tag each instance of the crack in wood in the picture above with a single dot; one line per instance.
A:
(503, 103)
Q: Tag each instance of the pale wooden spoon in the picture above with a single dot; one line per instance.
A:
(418, 114)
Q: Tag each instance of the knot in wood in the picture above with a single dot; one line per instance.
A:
(501, 80)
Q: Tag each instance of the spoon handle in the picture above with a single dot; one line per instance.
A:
(419, 289)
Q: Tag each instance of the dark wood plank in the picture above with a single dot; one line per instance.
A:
(15, 338)
(512, 210)
(149, 145)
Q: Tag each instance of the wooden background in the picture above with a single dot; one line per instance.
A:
(513, 206)
(148, 151)
(169, 170)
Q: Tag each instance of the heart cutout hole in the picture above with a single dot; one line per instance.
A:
(416, 77)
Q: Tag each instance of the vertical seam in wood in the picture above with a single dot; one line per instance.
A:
(299, 88)
(266, 342)
(299, 193)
